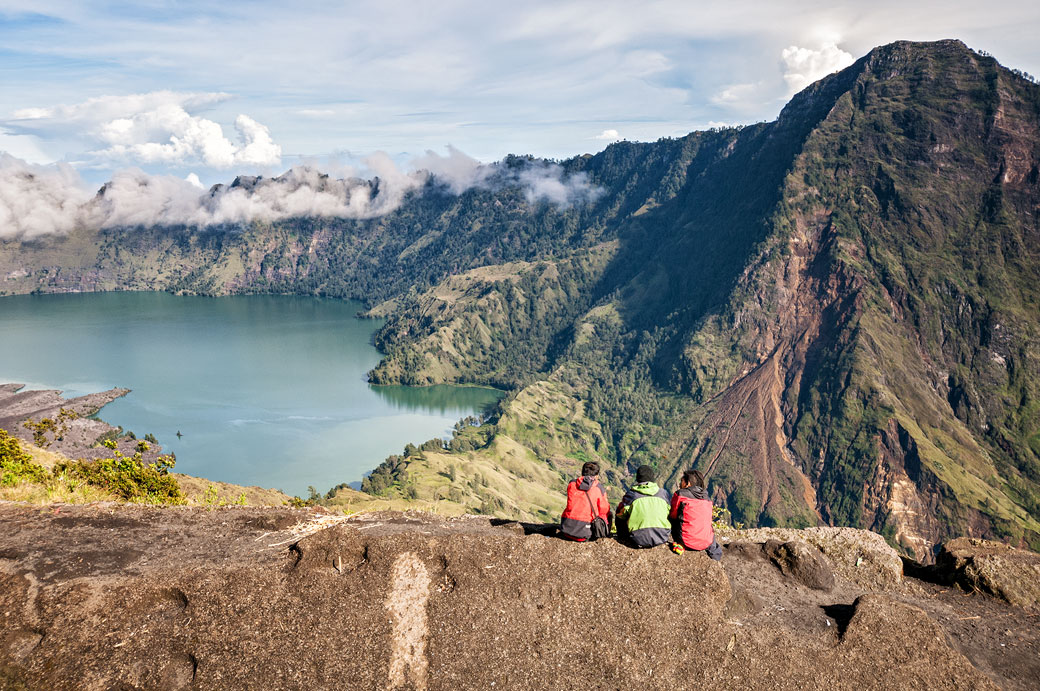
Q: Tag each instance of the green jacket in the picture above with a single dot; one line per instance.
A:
(643, 514)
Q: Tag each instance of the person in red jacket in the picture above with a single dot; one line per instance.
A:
(586, 501)
(691, 516)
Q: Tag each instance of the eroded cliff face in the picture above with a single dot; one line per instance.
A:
(874, 364)
(130, 597)
(833, 314)
(897, 499)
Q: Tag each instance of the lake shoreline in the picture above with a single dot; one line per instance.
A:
(268, 391)
(81, 434)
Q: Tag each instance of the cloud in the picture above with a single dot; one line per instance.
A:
(153, 128)
(457, 170)
(608, 135)
(803, 66)
(543, 181)
(734, 93)
(257, 146)
(534, 76)
(739, 96)
(316, 112)
(102, 108)
(37, 201)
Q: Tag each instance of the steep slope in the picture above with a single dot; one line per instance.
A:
(876, 362)
(845, 302)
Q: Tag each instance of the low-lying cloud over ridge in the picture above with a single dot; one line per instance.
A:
(38, 201)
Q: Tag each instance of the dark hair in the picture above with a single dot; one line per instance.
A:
(645, 474)
(694, 477)
(591, 469)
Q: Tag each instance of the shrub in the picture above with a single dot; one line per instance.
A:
(721, 518)
(435, 444)
(57, 426)
(128, 477)
(16, 464)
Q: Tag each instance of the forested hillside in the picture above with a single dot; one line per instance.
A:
(834, 315)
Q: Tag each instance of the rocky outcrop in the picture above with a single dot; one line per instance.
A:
(858, 556)
(992, 567)
(129, 597)
(74, 437)
(801, 562)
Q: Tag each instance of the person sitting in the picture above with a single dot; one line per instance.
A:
(586, 501)
(642, 515)
(691, 516)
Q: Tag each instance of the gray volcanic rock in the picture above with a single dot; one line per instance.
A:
(860, 556)
(801, 562)
(992, 567)
(80, 434)
(134, 597)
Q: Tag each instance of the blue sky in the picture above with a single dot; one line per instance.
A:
(255, 87)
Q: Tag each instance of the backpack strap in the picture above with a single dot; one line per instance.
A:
(592, 507)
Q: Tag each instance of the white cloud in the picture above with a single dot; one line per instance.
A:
(733, 93)
(608, 135)
(457, 170)
(23, 147)
(546, 182)
(745, 96)
(316, 112)
(536, 76)
(103, 108)
(37, 201)
(803, 66)
(154, 128)
(257, 146)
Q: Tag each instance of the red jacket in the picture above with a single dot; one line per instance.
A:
(586, 500)
(691, 508)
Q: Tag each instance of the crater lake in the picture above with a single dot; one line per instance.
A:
(266, 390)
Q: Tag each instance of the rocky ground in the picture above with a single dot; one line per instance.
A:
(78, 436)
(129, 597)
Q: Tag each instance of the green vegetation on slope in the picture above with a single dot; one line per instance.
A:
(120, 478)
(835, 314)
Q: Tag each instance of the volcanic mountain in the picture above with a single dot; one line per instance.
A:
(834, 315)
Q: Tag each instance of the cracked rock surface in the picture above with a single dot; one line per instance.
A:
(116, 596)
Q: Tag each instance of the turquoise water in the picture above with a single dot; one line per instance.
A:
(267, 390)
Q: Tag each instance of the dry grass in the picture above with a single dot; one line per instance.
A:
(66, 490)
(42, 456)
(202, 492)
(62, 490)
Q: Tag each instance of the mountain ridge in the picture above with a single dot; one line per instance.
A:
(832, 314)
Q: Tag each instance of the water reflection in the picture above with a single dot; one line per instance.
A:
(440, 399)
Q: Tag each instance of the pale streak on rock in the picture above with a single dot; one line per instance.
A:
(409, 593)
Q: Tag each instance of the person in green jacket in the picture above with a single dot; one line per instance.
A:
(642, 515)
